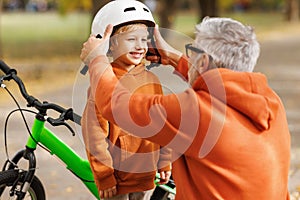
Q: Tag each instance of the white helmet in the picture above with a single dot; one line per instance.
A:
(121, 12)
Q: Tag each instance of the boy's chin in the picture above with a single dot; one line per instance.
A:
(136, 62)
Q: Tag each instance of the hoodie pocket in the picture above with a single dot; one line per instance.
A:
(137, 157)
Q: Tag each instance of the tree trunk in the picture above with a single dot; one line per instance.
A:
(292, 13)
(1, 53)
(208, 8)
(166, 11)
(97, 4)
(23, 4)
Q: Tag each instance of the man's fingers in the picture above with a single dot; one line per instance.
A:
(157, 33)
(108, 31)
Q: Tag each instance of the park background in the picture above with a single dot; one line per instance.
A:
(42, 39)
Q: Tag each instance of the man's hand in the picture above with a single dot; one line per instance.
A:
(164, 177)
(168, 55)
(108, 193)
(94, 47)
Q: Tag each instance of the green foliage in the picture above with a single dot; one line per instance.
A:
(65, 6)
(226, 4)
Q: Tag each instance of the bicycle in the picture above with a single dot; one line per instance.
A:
(19, 183)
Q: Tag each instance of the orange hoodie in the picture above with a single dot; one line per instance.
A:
(125, 160)
(229, 133)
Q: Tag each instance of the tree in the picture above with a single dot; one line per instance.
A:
(65, 6)
(166, 12)
(292, 13)
(97, 4)
(23, 3)
(208, 8)
(168, 8)
(1, 53)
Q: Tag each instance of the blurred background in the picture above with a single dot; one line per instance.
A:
(42, 39)
(34, 30)
(57, 28)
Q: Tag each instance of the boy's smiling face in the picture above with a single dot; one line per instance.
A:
(129, 48)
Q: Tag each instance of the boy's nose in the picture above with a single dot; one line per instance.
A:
(139, 45)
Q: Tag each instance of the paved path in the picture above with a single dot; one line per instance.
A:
(279, 61)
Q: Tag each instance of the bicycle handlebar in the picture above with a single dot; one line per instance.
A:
(68, 114)
(6, 69)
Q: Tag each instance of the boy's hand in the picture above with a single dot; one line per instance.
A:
(164, 177)
(108, 193)
(94, 47)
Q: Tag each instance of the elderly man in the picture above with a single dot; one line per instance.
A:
(229, 132)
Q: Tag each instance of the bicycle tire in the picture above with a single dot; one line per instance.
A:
(7, 178)
(161, 194)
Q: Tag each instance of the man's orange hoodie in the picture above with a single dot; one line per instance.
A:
(229, 132)
(115, 156)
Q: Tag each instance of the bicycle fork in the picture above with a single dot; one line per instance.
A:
(27, 154)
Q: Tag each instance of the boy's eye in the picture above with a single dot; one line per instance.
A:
(130, 39)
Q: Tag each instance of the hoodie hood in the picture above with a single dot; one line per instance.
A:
(248, 93)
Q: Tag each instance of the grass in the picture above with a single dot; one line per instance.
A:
(32, 35)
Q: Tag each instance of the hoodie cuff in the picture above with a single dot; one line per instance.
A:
(165, 168)
(105, 183)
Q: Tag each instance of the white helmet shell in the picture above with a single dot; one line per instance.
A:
(121, 12)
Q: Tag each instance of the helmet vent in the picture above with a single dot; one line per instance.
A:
(145, 9)
(129, 9)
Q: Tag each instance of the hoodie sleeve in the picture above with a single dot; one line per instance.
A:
(164, 120)
(182, 67)
(164, 163)
(95, 131)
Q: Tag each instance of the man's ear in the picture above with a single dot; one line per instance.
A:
(203, 63)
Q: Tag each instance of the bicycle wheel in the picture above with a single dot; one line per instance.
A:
(7, 178)
(161, 194)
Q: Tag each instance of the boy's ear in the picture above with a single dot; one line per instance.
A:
(113, 41)
(113, 45)
(203, 63)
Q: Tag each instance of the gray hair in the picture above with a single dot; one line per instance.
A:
(231, 44)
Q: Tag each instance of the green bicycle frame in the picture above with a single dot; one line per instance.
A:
(41, 135)
(56, 146)
(73, 161)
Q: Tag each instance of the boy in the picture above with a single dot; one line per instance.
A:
(122, 164)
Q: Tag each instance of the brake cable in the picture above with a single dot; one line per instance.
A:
(25, 122)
